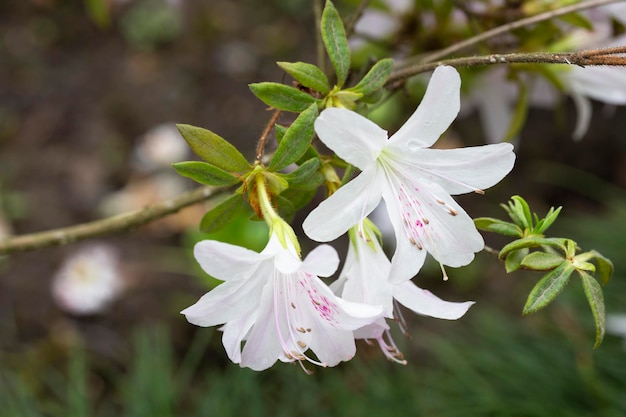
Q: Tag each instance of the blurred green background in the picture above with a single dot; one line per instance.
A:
(81, 82)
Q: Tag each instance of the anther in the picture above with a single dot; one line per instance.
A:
(479, 191)
(419, 246)
(452, 212)
(443, 270)
(301, 329)
(301, 343)
(425, 220)
(440, 201)
(293, 305)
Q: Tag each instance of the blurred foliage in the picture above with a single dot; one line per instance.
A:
(487, 365)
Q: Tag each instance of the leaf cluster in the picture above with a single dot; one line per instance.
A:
(558, 257)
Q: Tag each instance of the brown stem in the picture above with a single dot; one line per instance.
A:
(504, 29)
(265, 134)
(604, 56)
(105, 226)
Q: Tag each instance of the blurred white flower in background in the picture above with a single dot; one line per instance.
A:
(88, 280)
(159, 147)
(154, 180)
(616, 325)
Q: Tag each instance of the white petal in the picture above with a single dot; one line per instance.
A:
(431, 217)
(463, 170)
(224, 261)
(407, 259)
(372, 331)
(427, 304)
(366, 270)
(333, 311)
(321, 261)
(332, 346)
(435, 113)
(235, 332)
(351, 136)
(345, 208)
(605, 84)
(227, 301)
(583, 119)
(262, 347)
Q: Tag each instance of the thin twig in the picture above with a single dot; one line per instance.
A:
(603, 56)
(504, 29)
(265, 134)
(319, 42)
(351, 24)
(105, 226)
(491, 251)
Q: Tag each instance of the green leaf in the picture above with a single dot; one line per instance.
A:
(594, 295)
(282, 97)
(222, 214)
(375, 78)
(214, 149)
(604, 267)
(489, 224)
(298, 197)
(336, 42)
(286, 209)
(307, 74)
(519, 206)
(532, 242)
(542, 261)
(578, 20)
(543, 224)
(296, 140)
(306, 176)
(513, 260)
(280, 132)
(205, 173)
(546, 290)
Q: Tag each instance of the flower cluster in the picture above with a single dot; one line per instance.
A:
(273, 305)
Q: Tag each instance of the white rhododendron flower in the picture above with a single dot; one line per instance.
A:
(365, 278)
(277, 304)
(89, 280)
(415, 182)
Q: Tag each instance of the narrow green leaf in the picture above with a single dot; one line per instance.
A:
(306, 176)
(578, 20)
(513, 260)
(594, 295)
(520, 206)
(307, 74)
(542, 261)
(546, 290)
(489, 224)
(545, 223)
(604, 267)
(205, 173)
(282, 97)
(280, 132)
(375, 78)
(296, 140)
(336, 42)
(222, 214)
(214, 149)
(532, 242)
